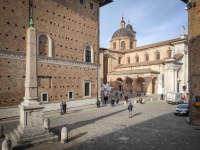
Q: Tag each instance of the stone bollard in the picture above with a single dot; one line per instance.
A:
(1, 132)
(135, 101)
(165, 98)
(158, 99)
(64, 135)
(47, 123)
(151, 99)
(6, 144)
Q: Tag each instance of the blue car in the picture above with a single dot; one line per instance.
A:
(182, 109)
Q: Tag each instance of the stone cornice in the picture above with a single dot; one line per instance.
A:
(43, 59)
(179, 42)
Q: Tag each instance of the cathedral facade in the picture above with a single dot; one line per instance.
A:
(154, 69)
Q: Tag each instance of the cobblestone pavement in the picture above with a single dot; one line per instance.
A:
(153, 126)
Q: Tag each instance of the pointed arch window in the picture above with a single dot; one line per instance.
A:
(123, 45)
(114, 45)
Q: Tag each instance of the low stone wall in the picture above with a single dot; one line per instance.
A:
(50, 108)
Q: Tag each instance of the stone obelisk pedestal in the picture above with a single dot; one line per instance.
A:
(31, 129)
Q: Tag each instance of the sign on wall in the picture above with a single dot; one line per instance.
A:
(160, 89)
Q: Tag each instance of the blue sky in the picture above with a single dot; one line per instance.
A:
(153, 20)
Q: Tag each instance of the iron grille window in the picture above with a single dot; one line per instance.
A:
(128, 60)
(44, 97)
(119, 60)
(88, 56)
(70, 95)
(169, 54)
(87, 89)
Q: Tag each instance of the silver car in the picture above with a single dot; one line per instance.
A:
(181, 109)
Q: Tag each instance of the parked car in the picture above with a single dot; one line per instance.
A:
(181, 109)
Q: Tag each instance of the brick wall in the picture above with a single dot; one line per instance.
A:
(70, 25)
(194, 61)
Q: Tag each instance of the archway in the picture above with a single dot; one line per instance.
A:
(141, 84)
(129, 82)
(119, 84)
(154, 85)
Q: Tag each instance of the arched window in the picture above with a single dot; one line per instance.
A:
(169, 54)
(119, 60)
(50, 44)
(88, 54)
(137, 59)
(123, 45)
(131, 45)
(128, 60)
(158, 56)
(147, 58)
(114, 45)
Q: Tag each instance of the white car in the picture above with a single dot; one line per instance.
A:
(181, 109)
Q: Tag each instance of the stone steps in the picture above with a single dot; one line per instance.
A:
(18, 138)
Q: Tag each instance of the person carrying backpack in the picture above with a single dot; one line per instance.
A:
(130, 107)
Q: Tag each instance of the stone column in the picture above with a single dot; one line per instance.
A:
(175, 80)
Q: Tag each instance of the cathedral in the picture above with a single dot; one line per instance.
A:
(156, 68)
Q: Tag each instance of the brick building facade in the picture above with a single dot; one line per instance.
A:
(67, 47)
(193, 8)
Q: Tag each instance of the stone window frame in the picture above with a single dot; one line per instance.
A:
(123, 45)
(137, 59)
(49, 41)
(169, 54)
(146, 57)
(92, 53)
(42, 93)
(157, 55)
(114, 45)
(119, 60)
(128, 60)
(131, 45)
(72, 94)
(84, 90)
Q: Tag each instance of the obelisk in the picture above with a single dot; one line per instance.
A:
(31, 128)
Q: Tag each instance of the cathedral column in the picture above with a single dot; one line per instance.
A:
(175, 79)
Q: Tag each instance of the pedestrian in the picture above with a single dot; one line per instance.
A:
(64, 107)
(116, 94)
(98, 103)
(124, 100)
(130, 107)
(105, 99)
(61, 108)
(131, 92)
(144, 93)
(112, 101)
(161, 96)
(117, 101)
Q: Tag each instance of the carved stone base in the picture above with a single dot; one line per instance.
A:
(31, 129)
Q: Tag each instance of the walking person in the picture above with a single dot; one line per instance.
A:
(117, 101)
(130, 107)
(64, 107)
(105, 99)
(124, 100)
(112, 101)
(61, 108)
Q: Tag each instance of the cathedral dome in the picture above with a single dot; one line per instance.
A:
(122, 32)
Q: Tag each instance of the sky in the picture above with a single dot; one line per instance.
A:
(153, 20)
